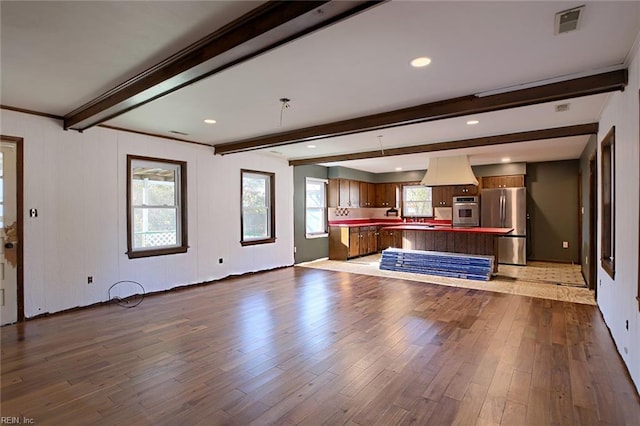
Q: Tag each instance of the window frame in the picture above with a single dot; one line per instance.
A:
(325, 232)
(607, 203)
(271, 209)
(181, 186)
(404, 199)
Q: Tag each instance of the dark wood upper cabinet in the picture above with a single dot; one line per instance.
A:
(354, 194)
(462, 190)
(509, 181)
(333, 193)
(367, 194)
(442, 196)
(387, 195)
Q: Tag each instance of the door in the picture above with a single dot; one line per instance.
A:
(593, 223)
(11, 306)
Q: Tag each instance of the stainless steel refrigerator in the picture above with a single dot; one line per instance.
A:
(507, 208)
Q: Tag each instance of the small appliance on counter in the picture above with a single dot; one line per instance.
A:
(466, 211)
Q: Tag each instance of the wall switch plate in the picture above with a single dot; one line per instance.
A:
(565, 244)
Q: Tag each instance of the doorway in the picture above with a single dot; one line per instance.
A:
(11, 231)
(593, 220)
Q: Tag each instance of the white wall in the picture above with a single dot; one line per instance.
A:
(77, 181)
(617, 298)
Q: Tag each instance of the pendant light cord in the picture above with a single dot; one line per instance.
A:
(285, 105)
(381, 147)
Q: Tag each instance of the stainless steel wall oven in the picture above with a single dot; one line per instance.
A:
(466, 211)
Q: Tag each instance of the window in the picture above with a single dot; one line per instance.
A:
(156, 207)
(316, 207)
(258, 218)
(416, 201)
(608, 203)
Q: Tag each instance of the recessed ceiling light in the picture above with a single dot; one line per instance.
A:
(506, 159)
(420, 62)
(210, 121)
(398, 169)
(472, 122)
(311, 146)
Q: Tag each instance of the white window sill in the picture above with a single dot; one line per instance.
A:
(313, 236)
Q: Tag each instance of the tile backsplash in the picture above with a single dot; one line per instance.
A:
(342, 213)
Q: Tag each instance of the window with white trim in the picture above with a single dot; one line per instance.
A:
(258, 220)
(156, 207)
(417, 201)
(315, 207)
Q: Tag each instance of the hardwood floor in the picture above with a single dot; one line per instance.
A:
(308, 346)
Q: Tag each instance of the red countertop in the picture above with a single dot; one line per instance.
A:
(348, 223)
(469, 230)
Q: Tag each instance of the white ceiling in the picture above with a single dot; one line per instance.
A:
(58, 55)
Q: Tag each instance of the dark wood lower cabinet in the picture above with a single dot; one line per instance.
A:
(390, 238)
(452, 242)
(345, 243)
(354, 242)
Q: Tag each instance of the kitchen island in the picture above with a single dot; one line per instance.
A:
(471, 240)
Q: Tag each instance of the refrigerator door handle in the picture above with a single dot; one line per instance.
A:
(502, 209)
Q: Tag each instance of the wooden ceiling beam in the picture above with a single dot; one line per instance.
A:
(450, 108)
(533, 135)
(264, 28)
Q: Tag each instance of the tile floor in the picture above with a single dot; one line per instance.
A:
(544, 280)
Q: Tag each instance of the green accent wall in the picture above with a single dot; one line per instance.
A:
(552, 203)
(339, 172)
(306, 249)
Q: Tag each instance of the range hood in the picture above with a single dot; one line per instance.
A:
(454, 170)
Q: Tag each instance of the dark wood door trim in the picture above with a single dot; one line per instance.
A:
(593, 221)
(533, 135)
(19, 215)
(264, 28)
(456, 107)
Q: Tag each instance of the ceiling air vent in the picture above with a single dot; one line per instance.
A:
(562, 107)
(568, 20)
(175, 132)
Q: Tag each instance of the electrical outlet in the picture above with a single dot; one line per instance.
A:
(220, 260)
(565, 244)
(89, 279)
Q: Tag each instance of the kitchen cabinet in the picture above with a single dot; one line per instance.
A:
(372, 239)
(507, 181)
(367, 194)
(442, 196)
(386, 195)
(355, 238)
(345, 243)
(462, 190)
(333, 193)
(354, 194)
(343, 193)
(389, 238)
